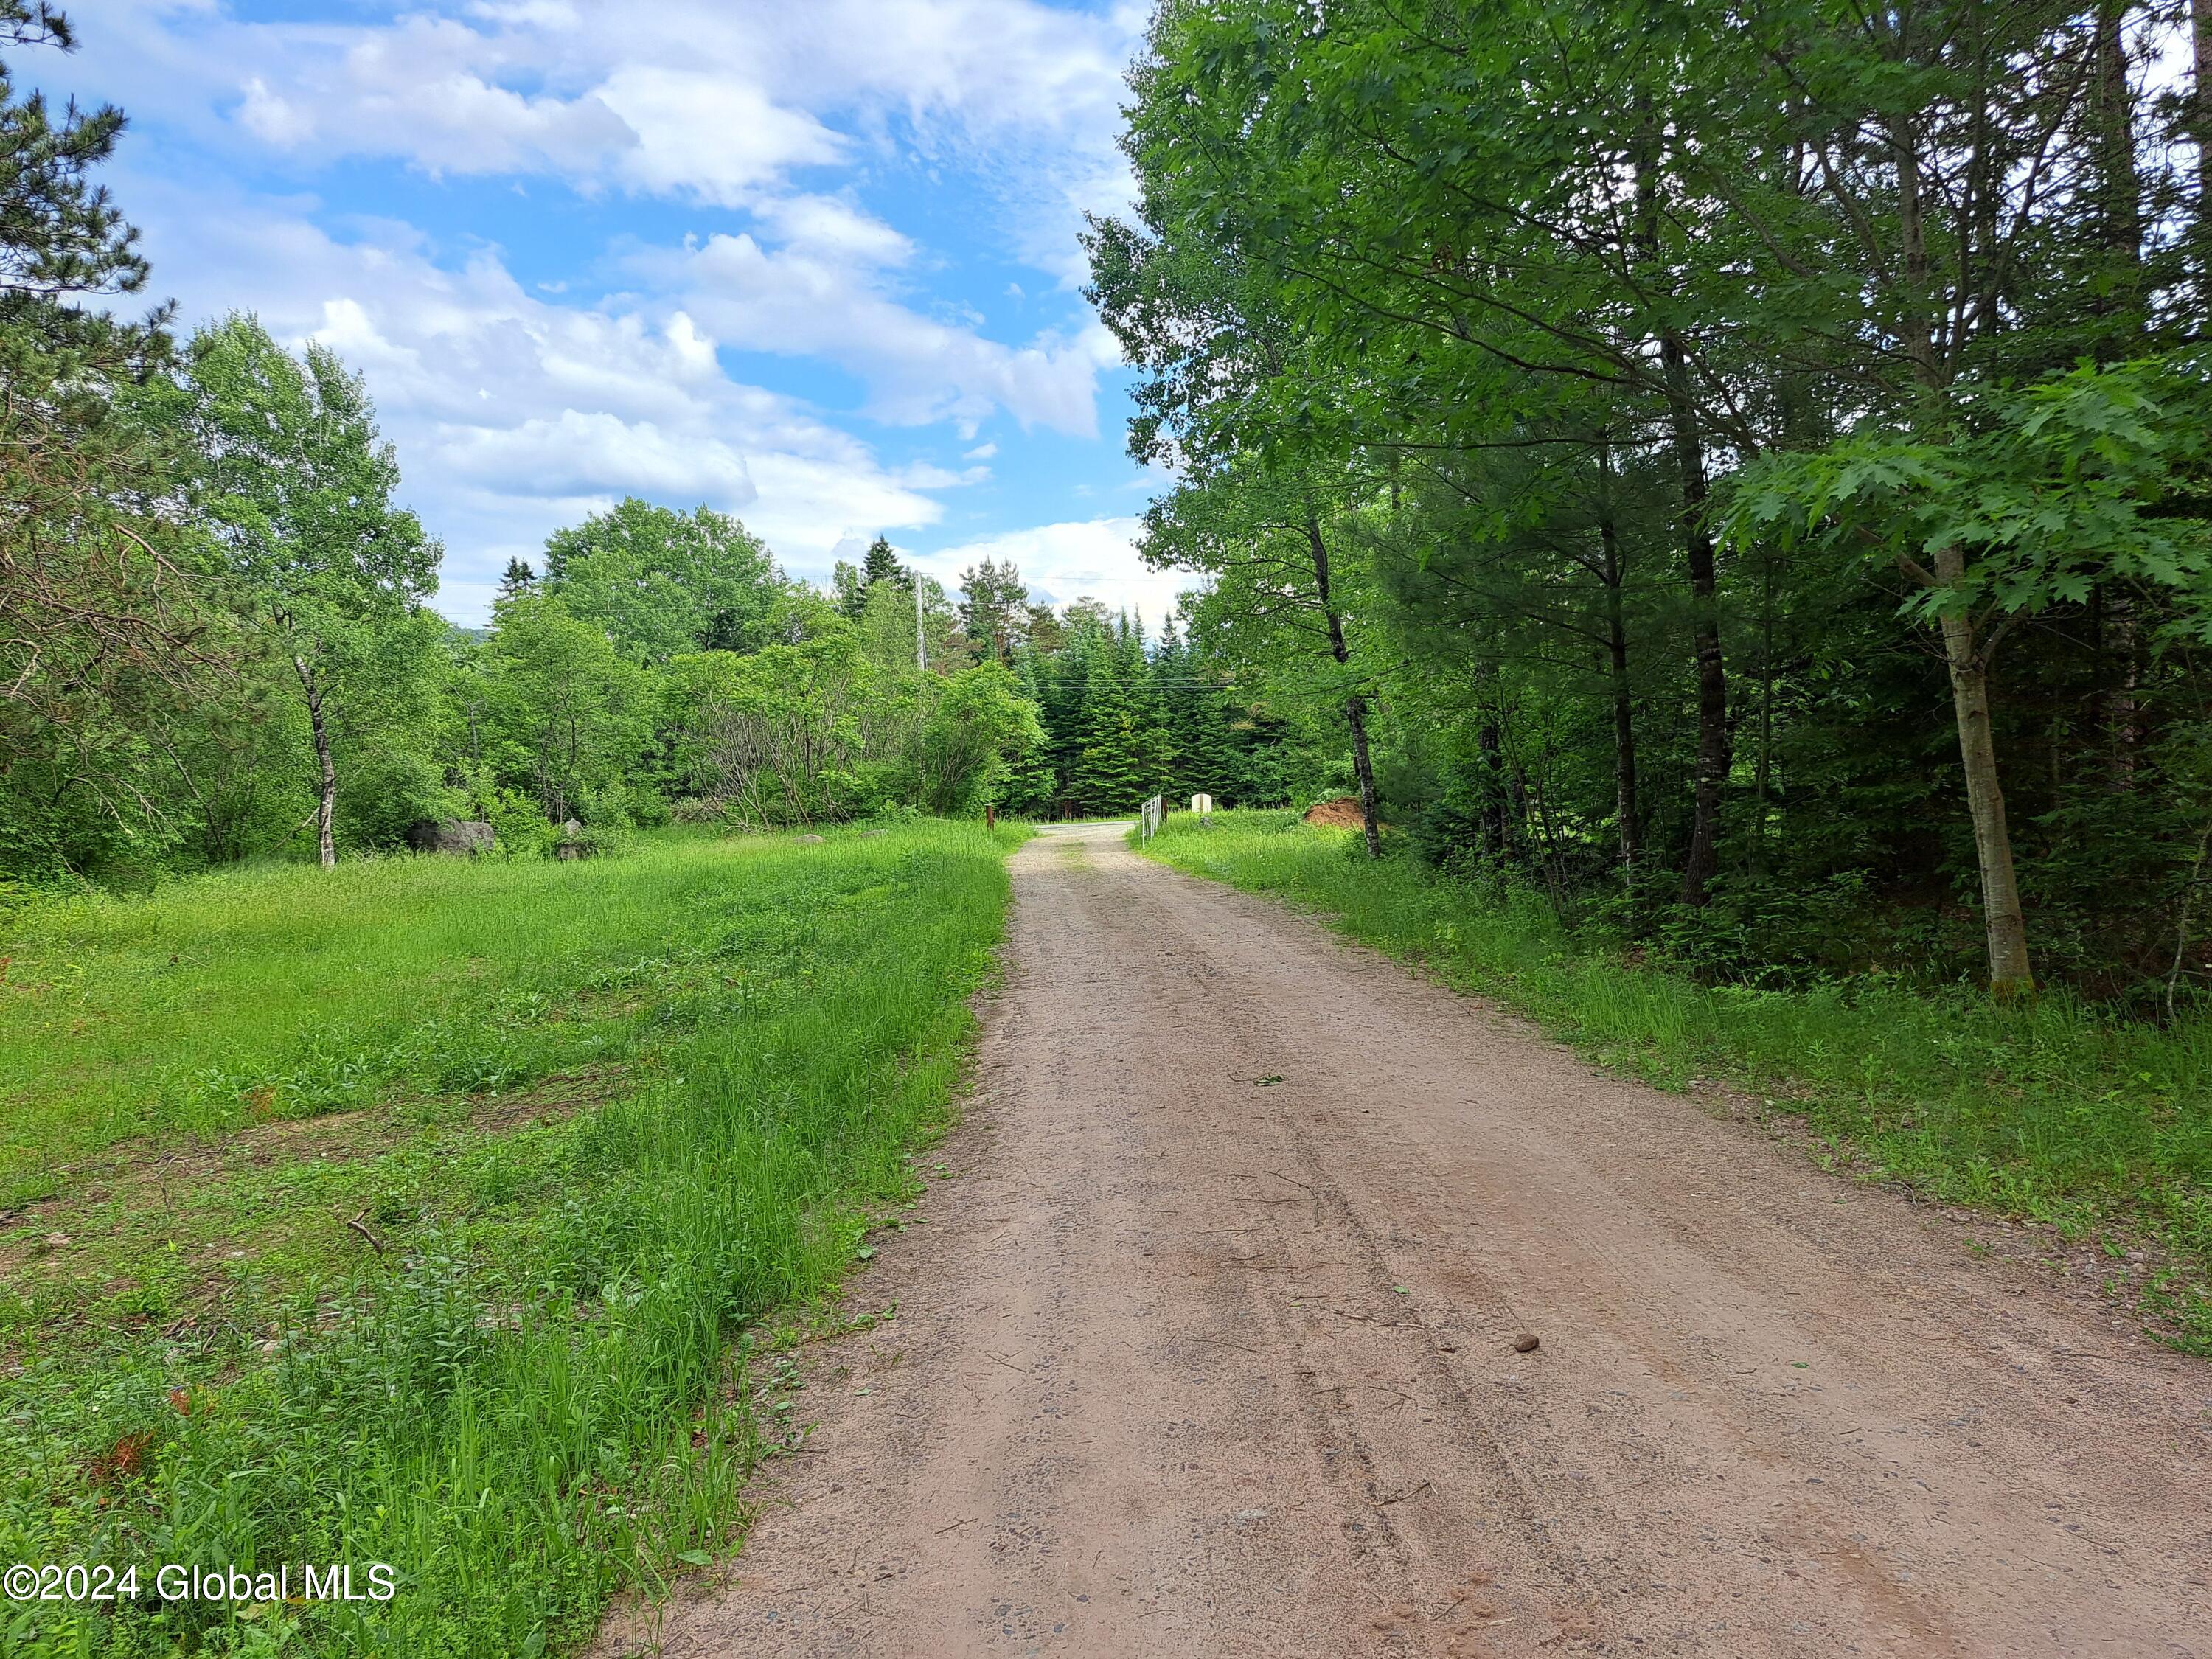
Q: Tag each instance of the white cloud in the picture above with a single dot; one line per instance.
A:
(424, 89)
(799, 300)
(713, 135)
(516, 405)
(736, 106)
(512, 416)
(582, 455)
(719, 100)
(1061, 563)
(827, 227)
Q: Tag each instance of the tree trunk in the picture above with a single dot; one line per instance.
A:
(1355, 706)
(1494, 800)
(327, 799)
(2119, 190)
(2010, 975)
(2119, 186)
(1624, 705)
(1715, 749)
(1624, 747)
(2118, 712)
(2200, 106)
(1362, 768)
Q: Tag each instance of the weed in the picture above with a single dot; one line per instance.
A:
(491, 1353)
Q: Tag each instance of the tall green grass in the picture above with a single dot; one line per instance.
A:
(2051, 1111)
(278, 991)
(528, 1399)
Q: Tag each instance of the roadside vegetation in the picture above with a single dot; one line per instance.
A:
(418, 1212)
(2053, 1110)
(218, 643)
(1744, 471)
(1738, 500)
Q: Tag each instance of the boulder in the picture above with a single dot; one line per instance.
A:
(574, 842)
(805, 840)
(459, 837)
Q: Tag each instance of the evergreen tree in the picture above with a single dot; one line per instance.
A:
(1190, 733)
(517, 580)
(881, 565)
(1060, 677)
(995, 608)
(1154, 738)
(1031, 789)
(98, 610)
(1111, 773)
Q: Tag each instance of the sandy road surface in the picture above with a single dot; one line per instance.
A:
(1190, 1364)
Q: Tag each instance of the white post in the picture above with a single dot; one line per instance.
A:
(921, 640)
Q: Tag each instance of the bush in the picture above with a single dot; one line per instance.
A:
(697, 809)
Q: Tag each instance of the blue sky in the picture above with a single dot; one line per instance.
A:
(811, 262)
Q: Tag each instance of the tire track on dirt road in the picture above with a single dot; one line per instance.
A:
(1188, 1364)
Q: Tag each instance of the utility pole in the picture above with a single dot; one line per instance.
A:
(921, 640)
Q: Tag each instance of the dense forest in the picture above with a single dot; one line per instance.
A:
(217, 641)
(1742, 469)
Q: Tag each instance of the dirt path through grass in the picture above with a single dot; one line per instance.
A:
(1207, 1348)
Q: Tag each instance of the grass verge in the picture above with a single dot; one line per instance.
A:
(2050, 1112)
(403, 1215)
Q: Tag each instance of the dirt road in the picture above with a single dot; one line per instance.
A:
(1206, 1349)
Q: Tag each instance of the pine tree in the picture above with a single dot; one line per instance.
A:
(1060, 676)
(1182, 716)
(518, 580)
(995, 608)
(1031, 789)
(1218, 760)
(1153, 739)
(90, 581)
(1111, 773)
(881, 565)
(1209, 746)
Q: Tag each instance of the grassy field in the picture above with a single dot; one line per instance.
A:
(2050, 1112)
(404, 1214)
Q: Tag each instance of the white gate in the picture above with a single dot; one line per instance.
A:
(1155, 812)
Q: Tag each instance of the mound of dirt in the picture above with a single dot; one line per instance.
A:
(1342, 813)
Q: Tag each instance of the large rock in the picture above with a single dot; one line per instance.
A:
(461, 838)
